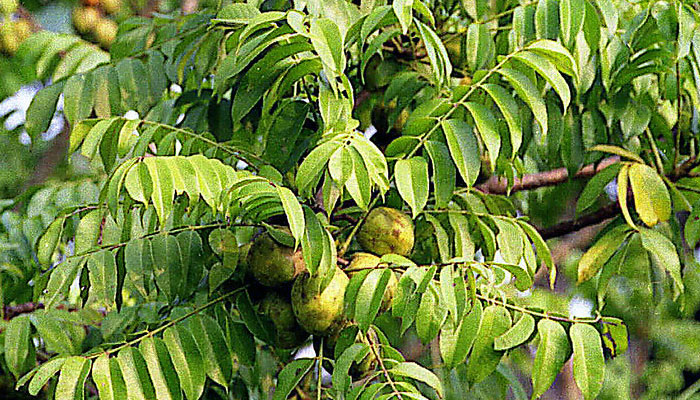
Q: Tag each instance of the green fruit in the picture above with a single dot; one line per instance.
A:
(362, 261)
(85, 19)
(386, 230)
(319, 313)
(335, 344)
(111, 6)
(279, 310)
(8, 7)
(273, 264)
(105, 32)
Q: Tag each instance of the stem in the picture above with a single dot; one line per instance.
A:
(655, 150)
(319, 378)
(373, 347)
(677, 145)
(171, 323)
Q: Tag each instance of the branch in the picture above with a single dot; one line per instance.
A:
(499, 185)
(573, 225)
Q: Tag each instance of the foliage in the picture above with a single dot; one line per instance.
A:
(209, 129)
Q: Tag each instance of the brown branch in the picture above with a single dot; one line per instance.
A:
(499, 185)
(10, 312)
(573, 225)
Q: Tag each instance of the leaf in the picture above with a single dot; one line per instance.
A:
(19, 350)
(456, 339)
(606, 148)
(163, 188)
(480, 48)
(589, 364)
(45, 372)
(370, 295)
(444, 172)
(542, 250)
(614, 335)
(598, 254)
(62, 276)
(463, 148)
(341, 370)
(517, 334)
(166, 258)
(161, 369)
(103, 277)
(487, 126)
(527, 91)
(293, 211)
(667, 257)
(135, 373)
(509, 109)
(419, 373)
(358, 185)
(437, 53)
(108, 378)
(89, 231)
(290, 376)
(41, 110)
(404, 13)
(571, 17)
(596, 186)
(692, 227)
(71, 382)
(651, 198)
(77, 89)
(312, 167)
(212, 345)
(549, 72)
(509, 240)
(187, 360)
(328, 43)
(622, 184)
(484, 358)
(48, 242)
(553, 351)
(547, 19)
(412, 183)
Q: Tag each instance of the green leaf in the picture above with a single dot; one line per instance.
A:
(102, 267)
(606, 148)
(419, 373)
(549, 72)
(651, 198)
(542, 250)
(480, 48)
(547, 19)
(456, 339)
(212, 345)
(341, 370)
(437, 54)
(358, 185)
(135, 373)
(19, 350)
(166, 259)
(404, 13)
(88, 232)
(666, 256)
(311, 169)
(484, 358)
(463, 148)
(598, 254)
(370, 295)
(71, 382)
(557, 54)
(622, 185)
(62, 276)
(42, 109)
(293, 211)
(589, 364)
(517, 334)
(328, 43)
(553, 351)
(487, 126)
(527, 91)
(108, 378)
(596, 186)
(509, 240)
(187, 360)
(45, 372)
(609, 12)
(412, 183)
(163, 188)
(430, 316)
(509, 109)
(290, 377)
(614, 335)
(444, 172)
(78, 88)
(571, 17)
(48, 242)
(161, 369)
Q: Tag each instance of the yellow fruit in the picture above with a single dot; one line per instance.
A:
(111, 6)
(319, 313)
(362, 261)
(23, 29)
(8, 7)
(9, 40)
(105, 32)
(279, 309)
(273, 264)
(385, 231)
(85, 19)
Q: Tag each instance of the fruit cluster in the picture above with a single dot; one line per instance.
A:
(315, 307)
(94, 20)
(12, 31)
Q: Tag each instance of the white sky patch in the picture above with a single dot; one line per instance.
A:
(580, 307)
(131, 115)
(370, 131)
(611, 190)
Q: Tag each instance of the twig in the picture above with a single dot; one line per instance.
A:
(573, 225)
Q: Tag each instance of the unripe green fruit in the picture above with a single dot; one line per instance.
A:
(279, 310)
(361, 261)
(386, 230)
(273, 264)
(319, 313)
(105, 32)
(85, 19)
(111, 6)
(8, 7)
